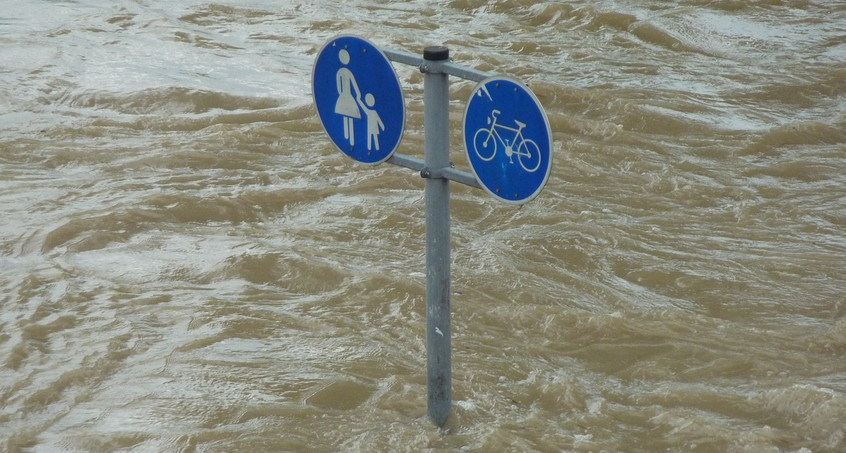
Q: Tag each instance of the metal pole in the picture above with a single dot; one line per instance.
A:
(436, 158)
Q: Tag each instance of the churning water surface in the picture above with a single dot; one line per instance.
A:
(188, 264)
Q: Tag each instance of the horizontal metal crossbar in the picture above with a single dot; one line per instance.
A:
(449, 173)
(436, 67)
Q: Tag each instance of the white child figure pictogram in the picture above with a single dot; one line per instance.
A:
(374, 122)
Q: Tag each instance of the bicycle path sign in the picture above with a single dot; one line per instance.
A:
(359, 99)
(508, 139)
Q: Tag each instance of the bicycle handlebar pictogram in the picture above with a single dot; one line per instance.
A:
(486, 143)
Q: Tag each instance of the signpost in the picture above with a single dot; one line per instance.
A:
(507, 139)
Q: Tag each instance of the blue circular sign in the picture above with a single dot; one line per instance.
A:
(359, 99)
(507, 139)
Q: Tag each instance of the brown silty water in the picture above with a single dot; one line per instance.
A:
(188, 264)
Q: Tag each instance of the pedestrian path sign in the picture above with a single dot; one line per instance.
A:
(508, 139)
(359, 99)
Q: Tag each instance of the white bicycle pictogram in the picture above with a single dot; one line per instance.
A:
(485, 143)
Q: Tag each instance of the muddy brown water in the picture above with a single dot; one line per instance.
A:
(187, 264)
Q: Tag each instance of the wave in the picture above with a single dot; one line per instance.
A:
(796, 134)
(97, 230)
(166, 100)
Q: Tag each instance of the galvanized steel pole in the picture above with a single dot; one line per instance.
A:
(436, 158)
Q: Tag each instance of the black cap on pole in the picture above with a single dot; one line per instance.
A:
(436, 53)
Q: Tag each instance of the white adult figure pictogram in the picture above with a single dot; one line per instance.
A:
(347, 105)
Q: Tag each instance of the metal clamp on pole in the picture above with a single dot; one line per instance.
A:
(436, 158)
(434, 60)
(435, 173)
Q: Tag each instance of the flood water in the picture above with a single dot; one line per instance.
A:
(188, 264)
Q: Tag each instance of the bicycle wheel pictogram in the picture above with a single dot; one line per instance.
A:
(484, 142)
(529, 155)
